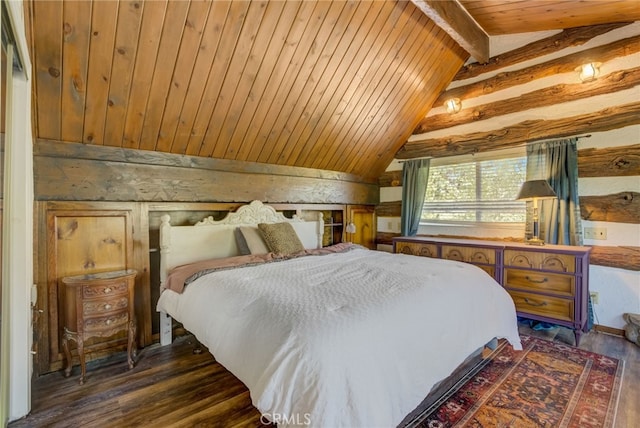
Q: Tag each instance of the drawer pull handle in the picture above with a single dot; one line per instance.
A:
(537, 281)
(107, 307)
(107, 290)
(535, 303)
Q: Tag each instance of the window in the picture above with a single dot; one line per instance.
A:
(476, 190)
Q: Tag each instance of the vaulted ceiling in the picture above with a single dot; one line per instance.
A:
(335, 85)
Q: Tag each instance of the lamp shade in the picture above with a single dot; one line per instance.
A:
(351, 228)
(539, 189)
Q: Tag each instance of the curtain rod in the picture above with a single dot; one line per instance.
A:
(511, 147)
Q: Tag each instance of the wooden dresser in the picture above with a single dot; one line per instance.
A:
(104, 307)
(547, 283)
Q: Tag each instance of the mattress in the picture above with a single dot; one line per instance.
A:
(356, 338)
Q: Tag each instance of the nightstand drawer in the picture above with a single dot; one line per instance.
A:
(101, 290)
(91, 307)
(469, 254)
(538, 260)
(547, 306)
(417, 249)
(540, 281)
(106, 323)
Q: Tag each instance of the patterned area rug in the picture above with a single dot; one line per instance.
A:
(548, 384)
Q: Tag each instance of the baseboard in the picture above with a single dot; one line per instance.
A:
(609, 330)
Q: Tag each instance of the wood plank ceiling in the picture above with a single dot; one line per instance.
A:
(335, 85)
(327, 85)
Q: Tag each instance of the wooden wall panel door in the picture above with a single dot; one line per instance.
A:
(82, 242)
(364, 218)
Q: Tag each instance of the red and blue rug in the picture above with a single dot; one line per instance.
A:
(547, 384)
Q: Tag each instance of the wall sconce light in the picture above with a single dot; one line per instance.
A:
(589, 71)
(351, 227)
(453, 105)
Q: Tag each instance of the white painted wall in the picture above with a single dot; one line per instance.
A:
(619, 290)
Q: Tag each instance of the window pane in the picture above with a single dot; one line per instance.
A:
(482, 191)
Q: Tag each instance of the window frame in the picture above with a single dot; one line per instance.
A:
(477, 157)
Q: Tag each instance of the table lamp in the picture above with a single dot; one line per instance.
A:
(533, 190)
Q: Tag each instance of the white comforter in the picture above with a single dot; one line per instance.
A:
(353, 339)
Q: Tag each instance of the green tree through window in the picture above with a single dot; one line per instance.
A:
(478, 191)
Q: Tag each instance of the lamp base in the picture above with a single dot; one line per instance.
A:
(535, 241)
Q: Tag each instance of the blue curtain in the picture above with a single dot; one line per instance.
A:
(557, 162)
(415, 174)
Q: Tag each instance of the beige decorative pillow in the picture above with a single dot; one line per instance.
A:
(281, 238)
(250, 241)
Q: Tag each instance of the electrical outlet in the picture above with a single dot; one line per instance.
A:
(594, 297)
(595, 233)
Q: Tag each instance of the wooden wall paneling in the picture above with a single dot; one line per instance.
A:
(390, 178)
(545, 97)
(217, 74)
(555, 43)
(342, 26)
(351, 53)
(319, 87)
(124, 56)
(442, 48)
(175, 21)
(327, 111)
(609, 162)
(42, 336)
(240, 63)
(364, 218)
(396, 45)
(145, 60)
(77, 34)
(103, 29)
(622, 207)
(297, 44)
(47, 63)
(73, 179)
(57, 149)
(270, 69)
(268, 15)
(565, 64)
(511, 17)
(143, 305)
(321, 63)
(625, 257)
(530, 130)
(209, 45)
(199, 13)
(83, 239)
(389, 209)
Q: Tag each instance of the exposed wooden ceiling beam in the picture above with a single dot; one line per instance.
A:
(456, 21)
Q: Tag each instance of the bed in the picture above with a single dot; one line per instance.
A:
(338, 336)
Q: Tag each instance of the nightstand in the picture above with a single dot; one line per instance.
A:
(104, 307)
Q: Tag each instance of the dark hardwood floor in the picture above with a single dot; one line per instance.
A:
(171, 386)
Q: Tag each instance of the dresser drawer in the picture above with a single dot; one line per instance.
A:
(101, 306)
(417, 249)
(114, 288)
(540, 260)
(95, 325)
(540, 281)
(469, 254)
(491, 270)
(547, 306)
